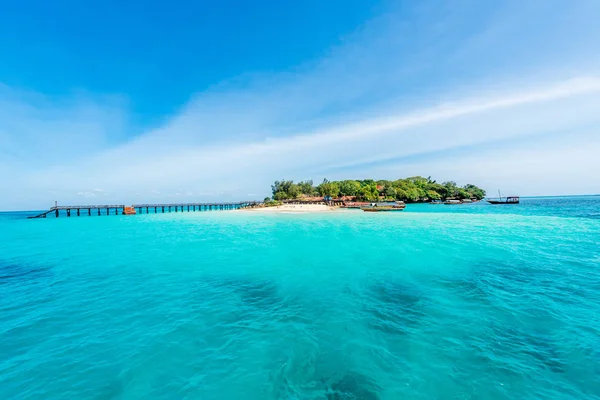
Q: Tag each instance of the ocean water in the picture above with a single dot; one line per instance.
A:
(437, 302)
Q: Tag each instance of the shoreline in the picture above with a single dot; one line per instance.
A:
(292, 208)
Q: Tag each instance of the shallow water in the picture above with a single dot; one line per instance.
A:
(437, 302)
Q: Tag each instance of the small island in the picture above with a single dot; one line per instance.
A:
(357, 193)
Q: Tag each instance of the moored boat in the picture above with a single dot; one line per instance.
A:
(129, 211)
(380, 209)
(354, 205)
(504, 200)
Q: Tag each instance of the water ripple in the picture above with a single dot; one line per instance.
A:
(343, 306)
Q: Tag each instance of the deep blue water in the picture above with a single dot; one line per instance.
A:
(437, 302)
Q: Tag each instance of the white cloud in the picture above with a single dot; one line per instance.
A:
(557, 165)
(363, 104)
(37, 129)
(563, 105)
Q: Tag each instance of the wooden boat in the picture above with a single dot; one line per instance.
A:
(380, 207)
(354, 205)
(504, 200)
(129, 211)
(436, 202)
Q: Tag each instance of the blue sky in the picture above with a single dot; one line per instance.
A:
(183, 100)
(159, 54)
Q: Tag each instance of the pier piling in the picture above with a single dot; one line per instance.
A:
(140, 208)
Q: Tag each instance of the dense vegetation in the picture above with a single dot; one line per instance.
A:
(412, 189)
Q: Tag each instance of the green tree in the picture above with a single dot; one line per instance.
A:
(451, 190)
(408, 190)
(284, 190)
(462, 194)
(306, 188)
(433, 195)
(329, 189)
(384, 183)
(401, 194)
(369, 192)
(390, 192)
(437, 188)
(474, 191)
(419, 181)
(412, 189)
(413, 194)
(349, 188)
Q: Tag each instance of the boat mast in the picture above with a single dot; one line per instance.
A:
(499, 194)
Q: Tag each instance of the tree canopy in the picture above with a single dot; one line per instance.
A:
(412, 189)
(329, 189)
(285, 190)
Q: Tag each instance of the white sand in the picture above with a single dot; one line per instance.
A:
(293, 208)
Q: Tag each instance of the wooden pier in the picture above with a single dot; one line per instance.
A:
(118, 209)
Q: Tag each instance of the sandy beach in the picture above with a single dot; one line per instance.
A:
(293, 208)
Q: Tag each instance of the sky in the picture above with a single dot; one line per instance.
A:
(180, 101)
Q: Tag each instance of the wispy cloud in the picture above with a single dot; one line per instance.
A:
(37, 129)
(249, 164)
(364, 108)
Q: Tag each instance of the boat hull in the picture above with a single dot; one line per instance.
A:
(382, 209)
(502, 202)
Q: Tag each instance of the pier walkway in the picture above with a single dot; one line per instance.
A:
(118, 209)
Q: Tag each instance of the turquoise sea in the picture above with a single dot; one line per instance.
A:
(436, 302)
